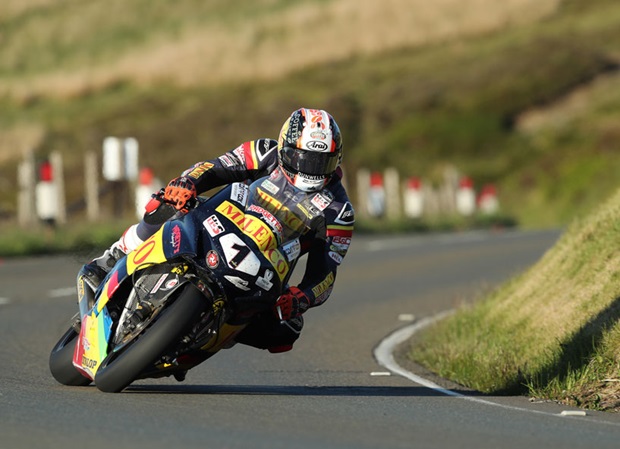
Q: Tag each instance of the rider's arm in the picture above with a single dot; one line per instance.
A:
(249, 161)
(330, 245)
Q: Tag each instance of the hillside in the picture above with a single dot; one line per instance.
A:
(414, 85)
(552, 332)
(60, 49)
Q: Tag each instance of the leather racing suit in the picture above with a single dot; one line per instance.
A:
(326, 243)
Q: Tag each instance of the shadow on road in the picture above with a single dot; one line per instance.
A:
(279, 390)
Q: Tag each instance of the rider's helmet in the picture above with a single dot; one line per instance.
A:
(309, 149)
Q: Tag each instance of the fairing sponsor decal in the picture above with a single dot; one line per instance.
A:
(250, 225)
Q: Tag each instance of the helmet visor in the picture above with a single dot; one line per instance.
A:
(309, 162)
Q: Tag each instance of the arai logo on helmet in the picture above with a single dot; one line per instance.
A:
(317, 146)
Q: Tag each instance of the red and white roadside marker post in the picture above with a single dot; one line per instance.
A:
(46, 196)
(49, 191)
(147, 185)
(376, 195)
(466, 197)
(488, 202)
(413, 198)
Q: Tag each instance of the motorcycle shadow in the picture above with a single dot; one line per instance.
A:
(285, 390)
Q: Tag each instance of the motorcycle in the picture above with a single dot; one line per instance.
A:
(187, 291)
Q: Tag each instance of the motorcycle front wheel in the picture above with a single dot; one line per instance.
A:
(118, 370)
(61, 361)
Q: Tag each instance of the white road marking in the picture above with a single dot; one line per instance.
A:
(573, 413)
(384, 355)
(55, 293)
(388, 244)
(446, 239)
(62, 292)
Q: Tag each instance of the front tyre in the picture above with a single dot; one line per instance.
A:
(117, 371)
(61, 361)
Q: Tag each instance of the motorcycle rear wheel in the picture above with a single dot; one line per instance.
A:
(118, 370)
(61, 361)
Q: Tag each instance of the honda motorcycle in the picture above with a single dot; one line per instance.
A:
(187, 291)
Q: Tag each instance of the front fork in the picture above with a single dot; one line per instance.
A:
(86, 294)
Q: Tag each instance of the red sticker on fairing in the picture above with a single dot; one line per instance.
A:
(112, 284)
(213, 260)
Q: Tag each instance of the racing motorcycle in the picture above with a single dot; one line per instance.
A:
(187, 291)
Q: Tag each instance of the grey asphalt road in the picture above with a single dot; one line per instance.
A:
(320, 395)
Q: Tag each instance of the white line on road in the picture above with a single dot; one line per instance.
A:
(62, 292)
(384, 355)
(446, 239)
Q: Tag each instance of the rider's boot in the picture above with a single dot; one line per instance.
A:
(288, 336)
(267, 332)
(95, 271)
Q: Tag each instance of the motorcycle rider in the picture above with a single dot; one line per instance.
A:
(308, 152)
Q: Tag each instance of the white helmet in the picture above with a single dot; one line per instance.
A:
(309, 149)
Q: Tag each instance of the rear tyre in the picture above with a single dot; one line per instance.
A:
(61, 361)
(117, 371)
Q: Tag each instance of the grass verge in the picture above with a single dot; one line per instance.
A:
(550, 332)
(83, 239)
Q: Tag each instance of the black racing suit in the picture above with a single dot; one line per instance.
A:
(326, 244)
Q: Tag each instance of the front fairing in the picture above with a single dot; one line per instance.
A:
(173, 240)
(252, 238)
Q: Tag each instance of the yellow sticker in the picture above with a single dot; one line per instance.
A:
(149, 252)
(324, 285)
(200, 170)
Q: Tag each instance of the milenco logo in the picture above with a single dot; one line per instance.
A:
(316, 145)
(323, 285)
(284, 214)
(199, 169)
(251, 226)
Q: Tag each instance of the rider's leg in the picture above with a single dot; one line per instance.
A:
(98, 268)
(156, 214)
(266, 331)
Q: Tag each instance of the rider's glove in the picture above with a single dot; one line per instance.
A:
(179, 191)
(291, 304)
